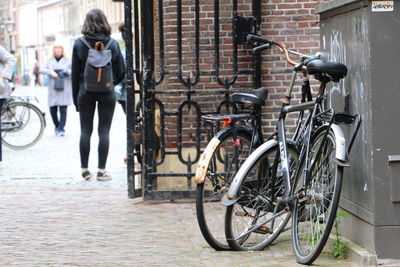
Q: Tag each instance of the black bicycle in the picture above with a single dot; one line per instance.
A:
(301, 177)
(226, 152)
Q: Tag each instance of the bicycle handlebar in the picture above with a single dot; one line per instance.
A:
(261, 47)
(256, 38)
(282, 47)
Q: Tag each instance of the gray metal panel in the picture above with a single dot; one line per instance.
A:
(368, 42)
(385, 29)
(345, 38)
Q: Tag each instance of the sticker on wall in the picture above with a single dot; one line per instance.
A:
(382, 6)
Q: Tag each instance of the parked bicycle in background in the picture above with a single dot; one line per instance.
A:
(22, 123)
(224, 154)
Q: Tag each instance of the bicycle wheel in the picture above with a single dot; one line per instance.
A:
(314, 214)
(225, 160)
(258, 201)
(22, 125)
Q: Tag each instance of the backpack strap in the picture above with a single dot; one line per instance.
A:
(83, 39)
(108, 44)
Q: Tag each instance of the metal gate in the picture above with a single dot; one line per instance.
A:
(190, 55)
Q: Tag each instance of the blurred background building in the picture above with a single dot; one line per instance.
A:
(29, 27)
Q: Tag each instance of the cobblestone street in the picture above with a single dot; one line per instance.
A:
(50, 216)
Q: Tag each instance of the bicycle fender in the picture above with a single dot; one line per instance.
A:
(340, 143)
(230, 196)
(341, 151)
(206, 156)
(204, 160)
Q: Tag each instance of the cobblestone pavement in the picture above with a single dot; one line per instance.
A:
(49, 216)
(54, 226)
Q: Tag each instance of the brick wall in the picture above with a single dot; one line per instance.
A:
(292, 22)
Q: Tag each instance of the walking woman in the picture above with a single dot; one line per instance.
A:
(96, 35)
(59, 96)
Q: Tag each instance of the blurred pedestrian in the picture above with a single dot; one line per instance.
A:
(7, 62)
(59, 96)
(36, 73)
(96, 34)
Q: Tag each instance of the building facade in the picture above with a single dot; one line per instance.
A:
(38, 23)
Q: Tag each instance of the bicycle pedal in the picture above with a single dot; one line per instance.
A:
(263, 230)
(217, 188)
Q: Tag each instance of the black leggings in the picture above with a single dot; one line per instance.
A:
(59, 123)
(105, 107)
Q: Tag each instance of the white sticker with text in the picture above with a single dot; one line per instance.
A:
(382, 6)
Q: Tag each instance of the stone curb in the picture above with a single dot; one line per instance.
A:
(359, 255)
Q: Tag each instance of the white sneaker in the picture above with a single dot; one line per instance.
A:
(103, 176)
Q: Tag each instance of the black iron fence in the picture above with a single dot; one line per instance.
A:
(189, 56)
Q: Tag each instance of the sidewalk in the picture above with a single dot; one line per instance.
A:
(54, 226)
(50, 216)
(54, 160)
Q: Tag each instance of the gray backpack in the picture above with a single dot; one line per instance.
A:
(98, 73)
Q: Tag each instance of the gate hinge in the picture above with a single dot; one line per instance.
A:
(242, 27)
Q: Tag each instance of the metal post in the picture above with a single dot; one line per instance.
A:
(257, 57)
(130, 98)
(147, 96)
(137, 42)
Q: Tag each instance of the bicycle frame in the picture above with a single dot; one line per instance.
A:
(307, 129)
(314, 106)
(15, 124)
(20, 99)
(290, 195)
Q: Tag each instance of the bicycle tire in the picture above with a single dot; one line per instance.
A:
(251, 208)
(22, 125)
(209, 211)
(313, 215)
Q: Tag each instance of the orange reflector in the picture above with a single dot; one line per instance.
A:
(227, 122)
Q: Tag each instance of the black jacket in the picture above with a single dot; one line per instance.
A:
(79, 56)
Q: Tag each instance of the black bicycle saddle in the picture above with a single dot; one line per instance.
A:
(326, 69)
(256, 97)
